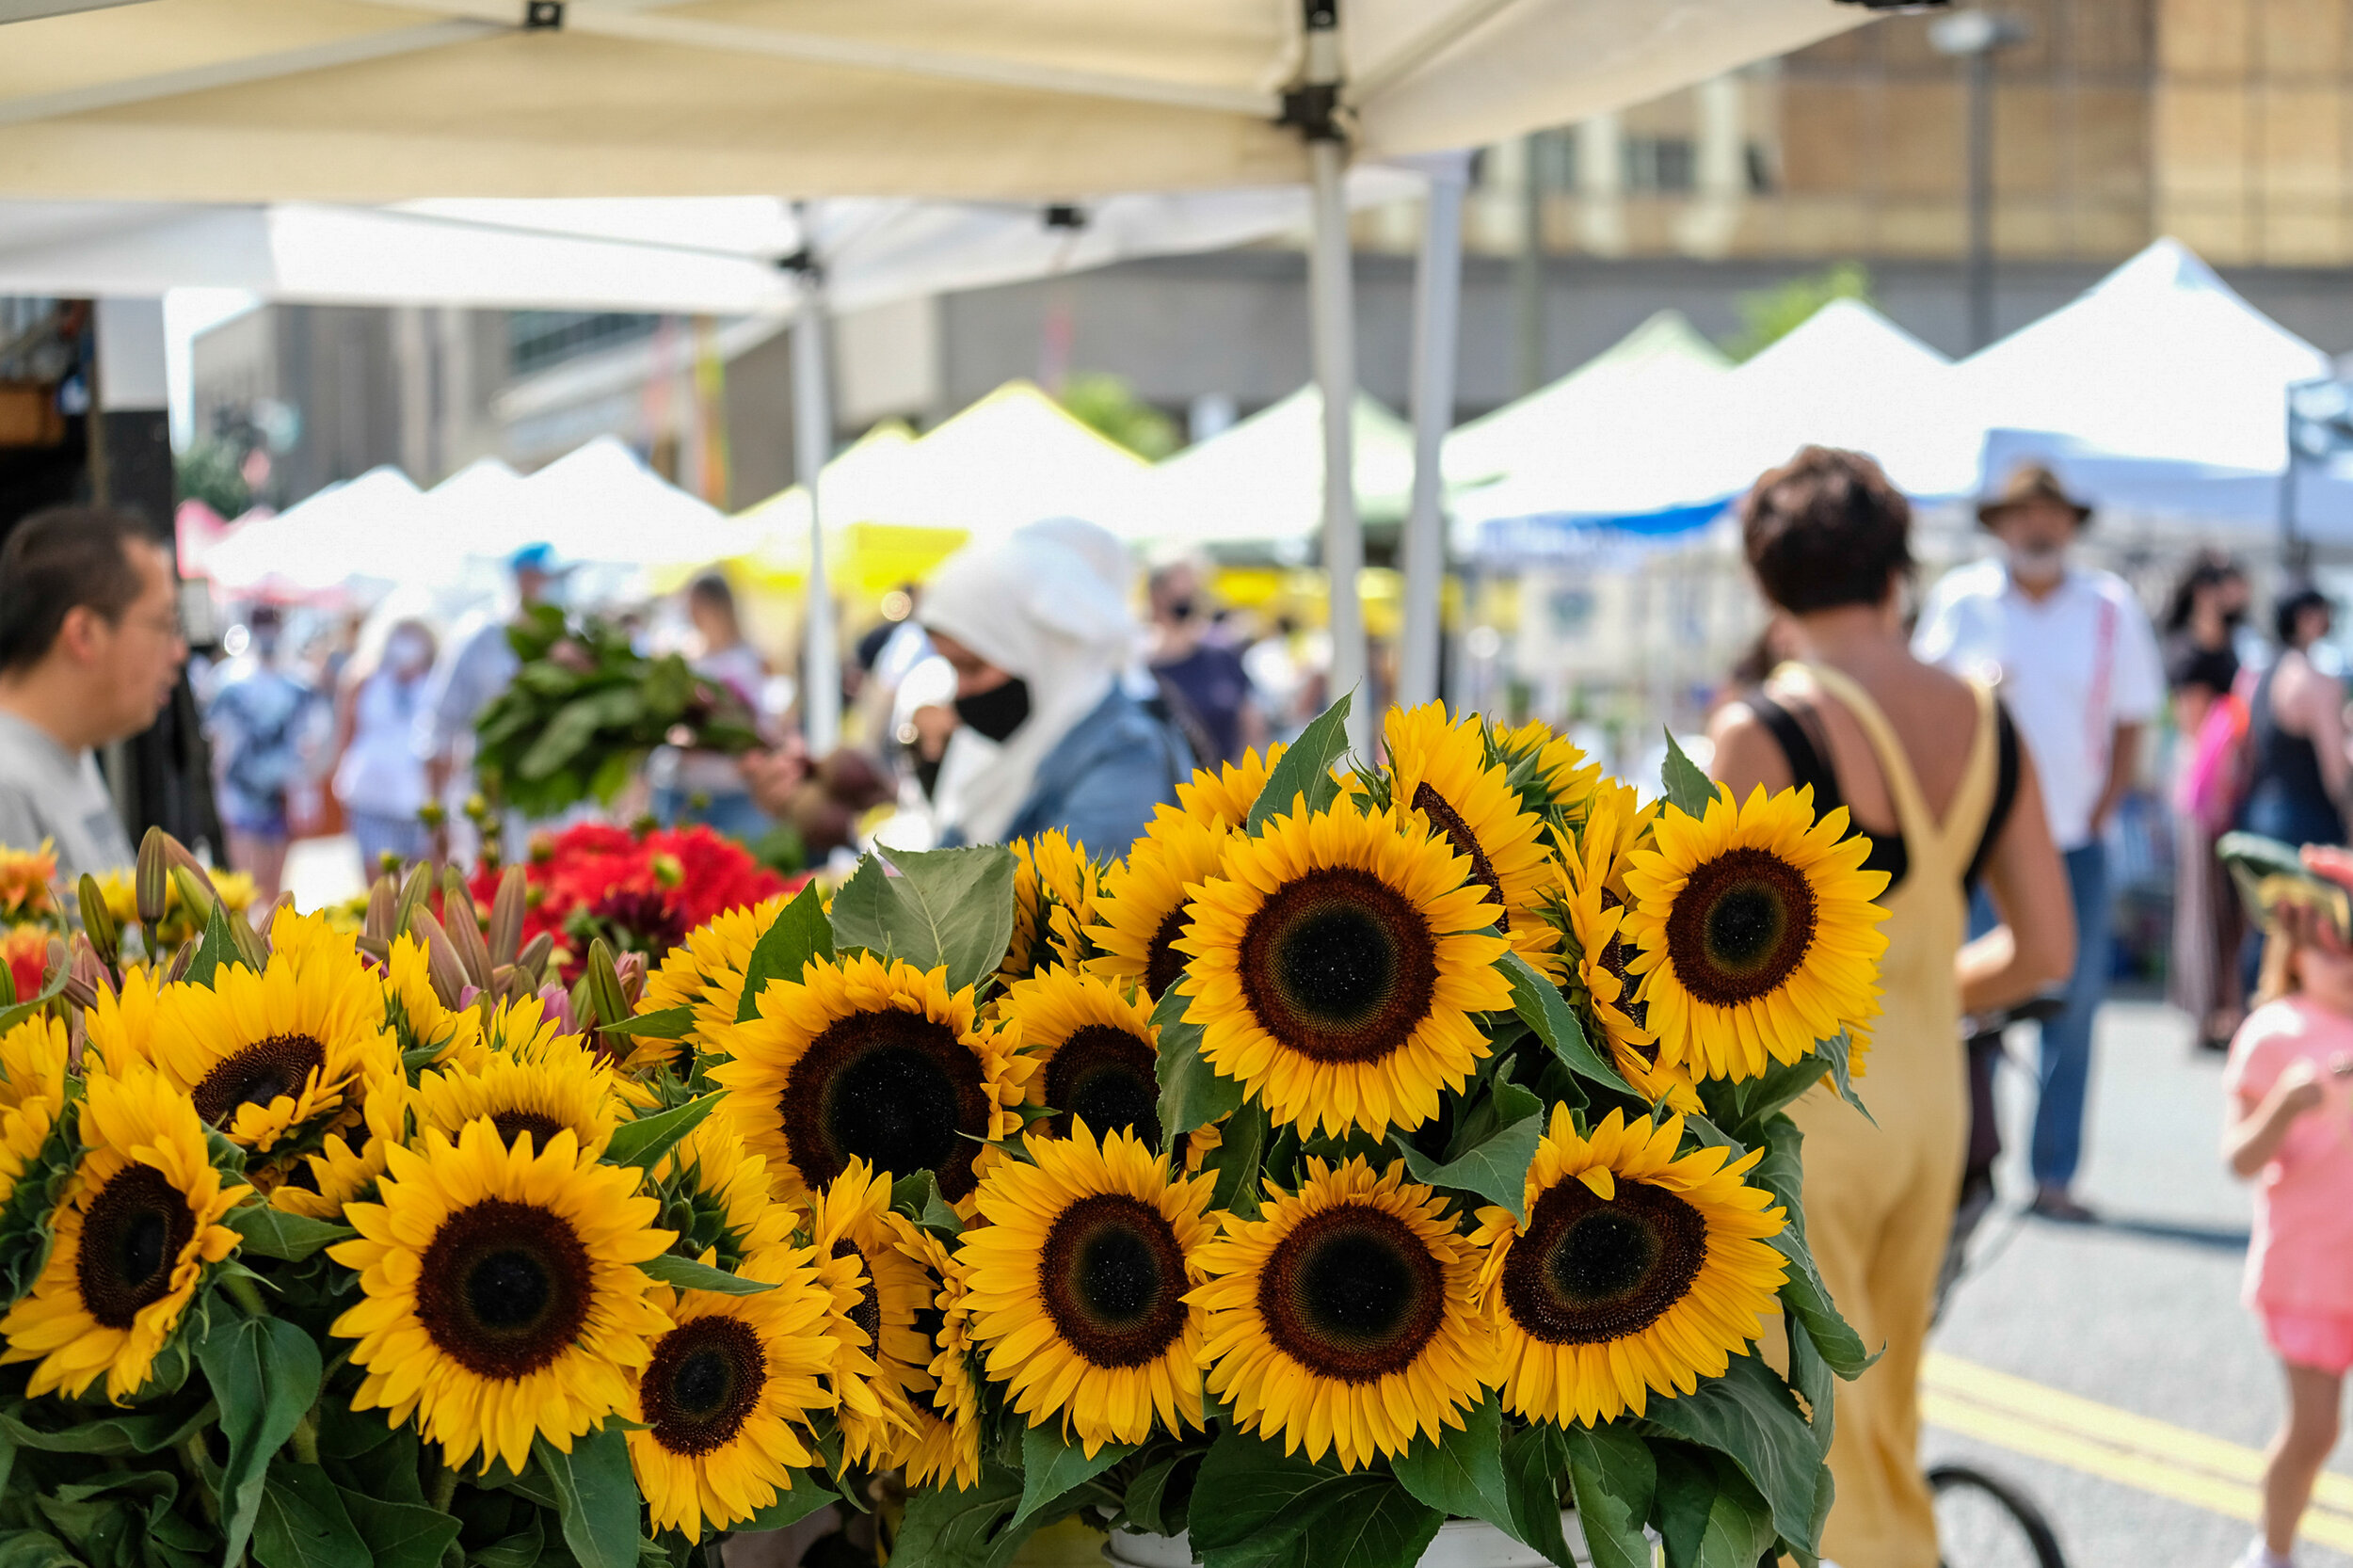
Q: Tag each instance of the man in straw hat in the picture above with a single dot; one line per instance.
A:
(2080, 672)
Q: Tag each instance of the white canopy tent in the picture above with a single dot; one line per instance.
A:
(1261, 479)
(1668, 455)
(600, 502)
(1033, 100)
(372, 528)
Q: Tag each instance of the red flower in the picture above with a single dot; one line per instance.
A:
(642, 891)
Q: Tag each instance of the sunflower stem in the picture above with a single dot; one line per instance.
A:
(306, 1437)
(243, 1293)
(444, 1489)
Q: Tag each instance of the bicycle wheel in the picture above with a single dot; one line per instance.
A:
(1985, 1522)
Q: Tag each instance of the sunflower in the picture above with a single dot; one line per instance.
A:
(725, 1394)
(1336, 962)
(502, 1298)
(1078, 1287)
(414, 1013)
(32, 1062)
(1343, 1318)
(706, 973)
(718, 1197)
(1757, 931)
(1440, 774)
(280, 1057)
(1140, 912)
(947, 1444)
(320, 1184)
(863, 1059)
(32, 1099)
(1095, 1045)
(1635, 1272)
(1548, 772)
(878, 1293)
(1054, 885)
(139, 1227)
(1223, 796)
(560, 1084)
(1589, 906)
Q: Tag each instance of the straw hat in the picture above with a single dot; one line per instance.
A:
(2030, 483)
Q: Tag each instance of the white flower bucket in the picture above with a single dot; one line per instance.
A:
(1461, 1544)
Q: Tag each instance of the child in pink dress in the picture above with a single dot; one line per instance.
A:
(2290, 1080)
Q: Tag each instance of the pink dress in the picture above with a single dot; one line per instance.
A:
(2299, 1263)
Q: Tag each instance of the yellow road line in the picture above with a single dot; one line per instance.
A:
(2022, 1431)
(2068, 1413)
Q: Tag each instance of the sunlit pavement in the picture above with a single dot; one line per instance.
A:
(2109, 1370)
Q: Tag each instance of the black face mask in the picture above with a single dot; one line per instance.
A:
(1180, 610)
(998, 712)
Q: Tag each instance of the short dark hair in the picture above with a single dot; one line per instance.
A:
(2291, 608)
(1826, 529)
(59, 559)
(713, 588)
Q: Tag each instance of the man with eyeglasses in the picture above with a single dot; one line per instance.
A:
(91, 650)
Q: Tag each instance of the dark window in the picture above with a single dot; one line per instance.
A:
(538, 339)
(1658, 163)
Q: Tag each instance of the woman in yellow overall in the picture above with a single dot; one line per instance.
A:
(1932, 771)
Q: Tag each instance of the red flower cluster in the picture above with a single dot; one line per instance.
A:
(25, 951)
(640, 892)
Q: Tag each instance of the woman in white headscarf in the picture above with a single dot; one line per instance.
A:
(1038, 631)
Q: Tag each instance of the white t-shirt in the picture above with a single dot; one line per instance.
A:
(2073, 667)
(47, 792)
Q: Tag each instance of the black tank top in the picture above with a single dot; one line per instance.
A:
(1809, 764)
(2285, 765)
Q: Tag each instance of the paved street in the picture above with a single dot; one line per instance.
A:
(2147, 1387)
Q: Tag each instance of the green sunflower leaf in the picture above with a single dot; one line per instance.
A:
(808, 1494)
(1613, 1477)
(1307, 767)
(1750, 1416)
(596, 1496)
(1155, 1499)
(799, 933)
(12, 1016)
(1245, 1135)
(687, 1274)
(1540, 1005)
(264, 1373)
(918, 1197)
(1462, 1475)
(649, 1137)
(519, 1548)
(1838, 1051)
(35, 1549)
(218, 946)
(1709, 1514)
(946, 906)
(268, 1232)
(1813, 1379)
(1496, 1168)
(1533, 1460)
(1390, 1530)
(303, 1523)
(670, 1023)
(1193, 1093)
(1680, 779)
(146, 1433)
(1051, 1468)
(1273, 1507)
(945, 1528)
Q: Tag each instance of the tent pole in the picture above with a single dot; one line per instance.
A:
(1332, 310)
(812, 443)
(1438, 313)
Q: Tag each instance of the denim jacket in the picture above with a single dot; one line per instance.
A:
(1101, 782)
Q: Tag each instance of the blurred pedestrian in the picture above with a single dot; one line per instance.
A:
(1201, 674)
(2299, 773)
(1048, 737)
(379, 778)
(2210, 723)
(91, 652)
(708, 787)
(1931, 770)
(259, 725)
(2290, 1080)
(474, 669)
(2078, 668)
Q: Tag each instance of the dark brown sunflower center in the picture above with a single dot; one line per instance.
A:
(257, 1075)
(132, 1235)
(514, 1124)
(1339, 966)
(1740, 926)
(892, 1088)
(703, 1382)
(1351, 1294)
(932, 1325)
(1589, 1271)
(1447, 820)
(1112, 1276)
(504, 1288)
(1616, 957)
(867, 1312)
(1163, 965)
(1105, 1078)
